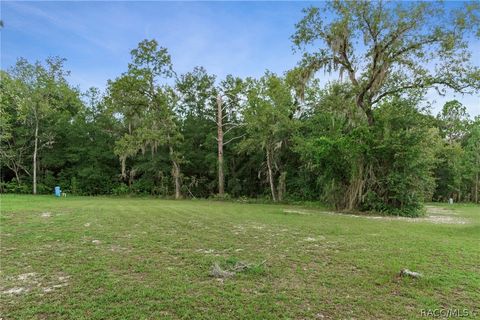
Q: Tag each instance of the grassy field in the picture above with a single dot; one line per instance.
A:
(121, 258)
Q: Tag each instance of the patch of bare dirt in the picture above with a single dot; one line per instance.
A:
(297, 212)
(28, 282)
(62, 281)
(437, 215)
(312, 239)
(303, 212)
(117, 248)
(206, 251)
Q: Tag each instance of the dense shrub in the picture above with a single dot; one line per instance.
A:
(403, 159)
(15, 187)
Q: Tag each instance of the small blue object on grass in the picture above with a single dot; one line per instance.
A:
(58, 192)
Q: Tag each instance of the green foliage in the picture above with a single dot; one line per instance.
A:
(145, 110)
(459, 164)
(268, 125)
(196, 110)
(454, 121)
(219, 197)
(403, 155)
(388, 165)
(387, 49)
(120, 190)
(359, 144)
(15, 187)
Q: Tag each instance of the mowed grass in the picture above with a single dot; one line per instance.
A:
(135, 258)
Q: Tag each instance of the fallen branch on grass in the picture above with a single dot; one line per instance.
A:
(218, 272)
(240, 266)
(408, 273)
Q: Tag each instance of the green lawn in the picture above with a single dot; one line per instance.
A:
(135, 258)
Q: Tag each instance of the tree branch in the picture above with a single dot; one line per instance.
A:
(235, 138)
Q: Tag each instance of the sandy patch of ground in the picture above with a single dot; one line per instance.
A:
(62, 281)
(238, 229)
(27, 276)
(313, 239)
(207, 251)
(31, 281)
(296, 211)
(435, 215)
(444, 219)
(13, 291)
(303, 212)
(117, 248)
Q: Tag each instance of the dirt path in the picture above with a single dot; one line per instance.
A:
(437, 215)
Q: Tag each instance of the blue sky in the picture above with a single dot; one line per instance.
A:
(239, 38)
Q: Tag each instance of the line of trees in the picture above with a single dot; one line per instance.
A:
(359, 143)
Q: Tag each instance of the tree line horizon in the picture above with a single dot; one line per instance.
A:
(363, 142)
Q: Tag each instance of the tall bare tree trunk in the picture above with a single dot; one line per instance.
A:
(476, 188)
(123, 164)
(476, 177)
(176, 175)
(221, 177)
(282, 186)
(35, 150)
(270, 176)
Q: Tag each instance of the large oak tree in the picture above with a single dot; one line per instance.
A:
(390, 48)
